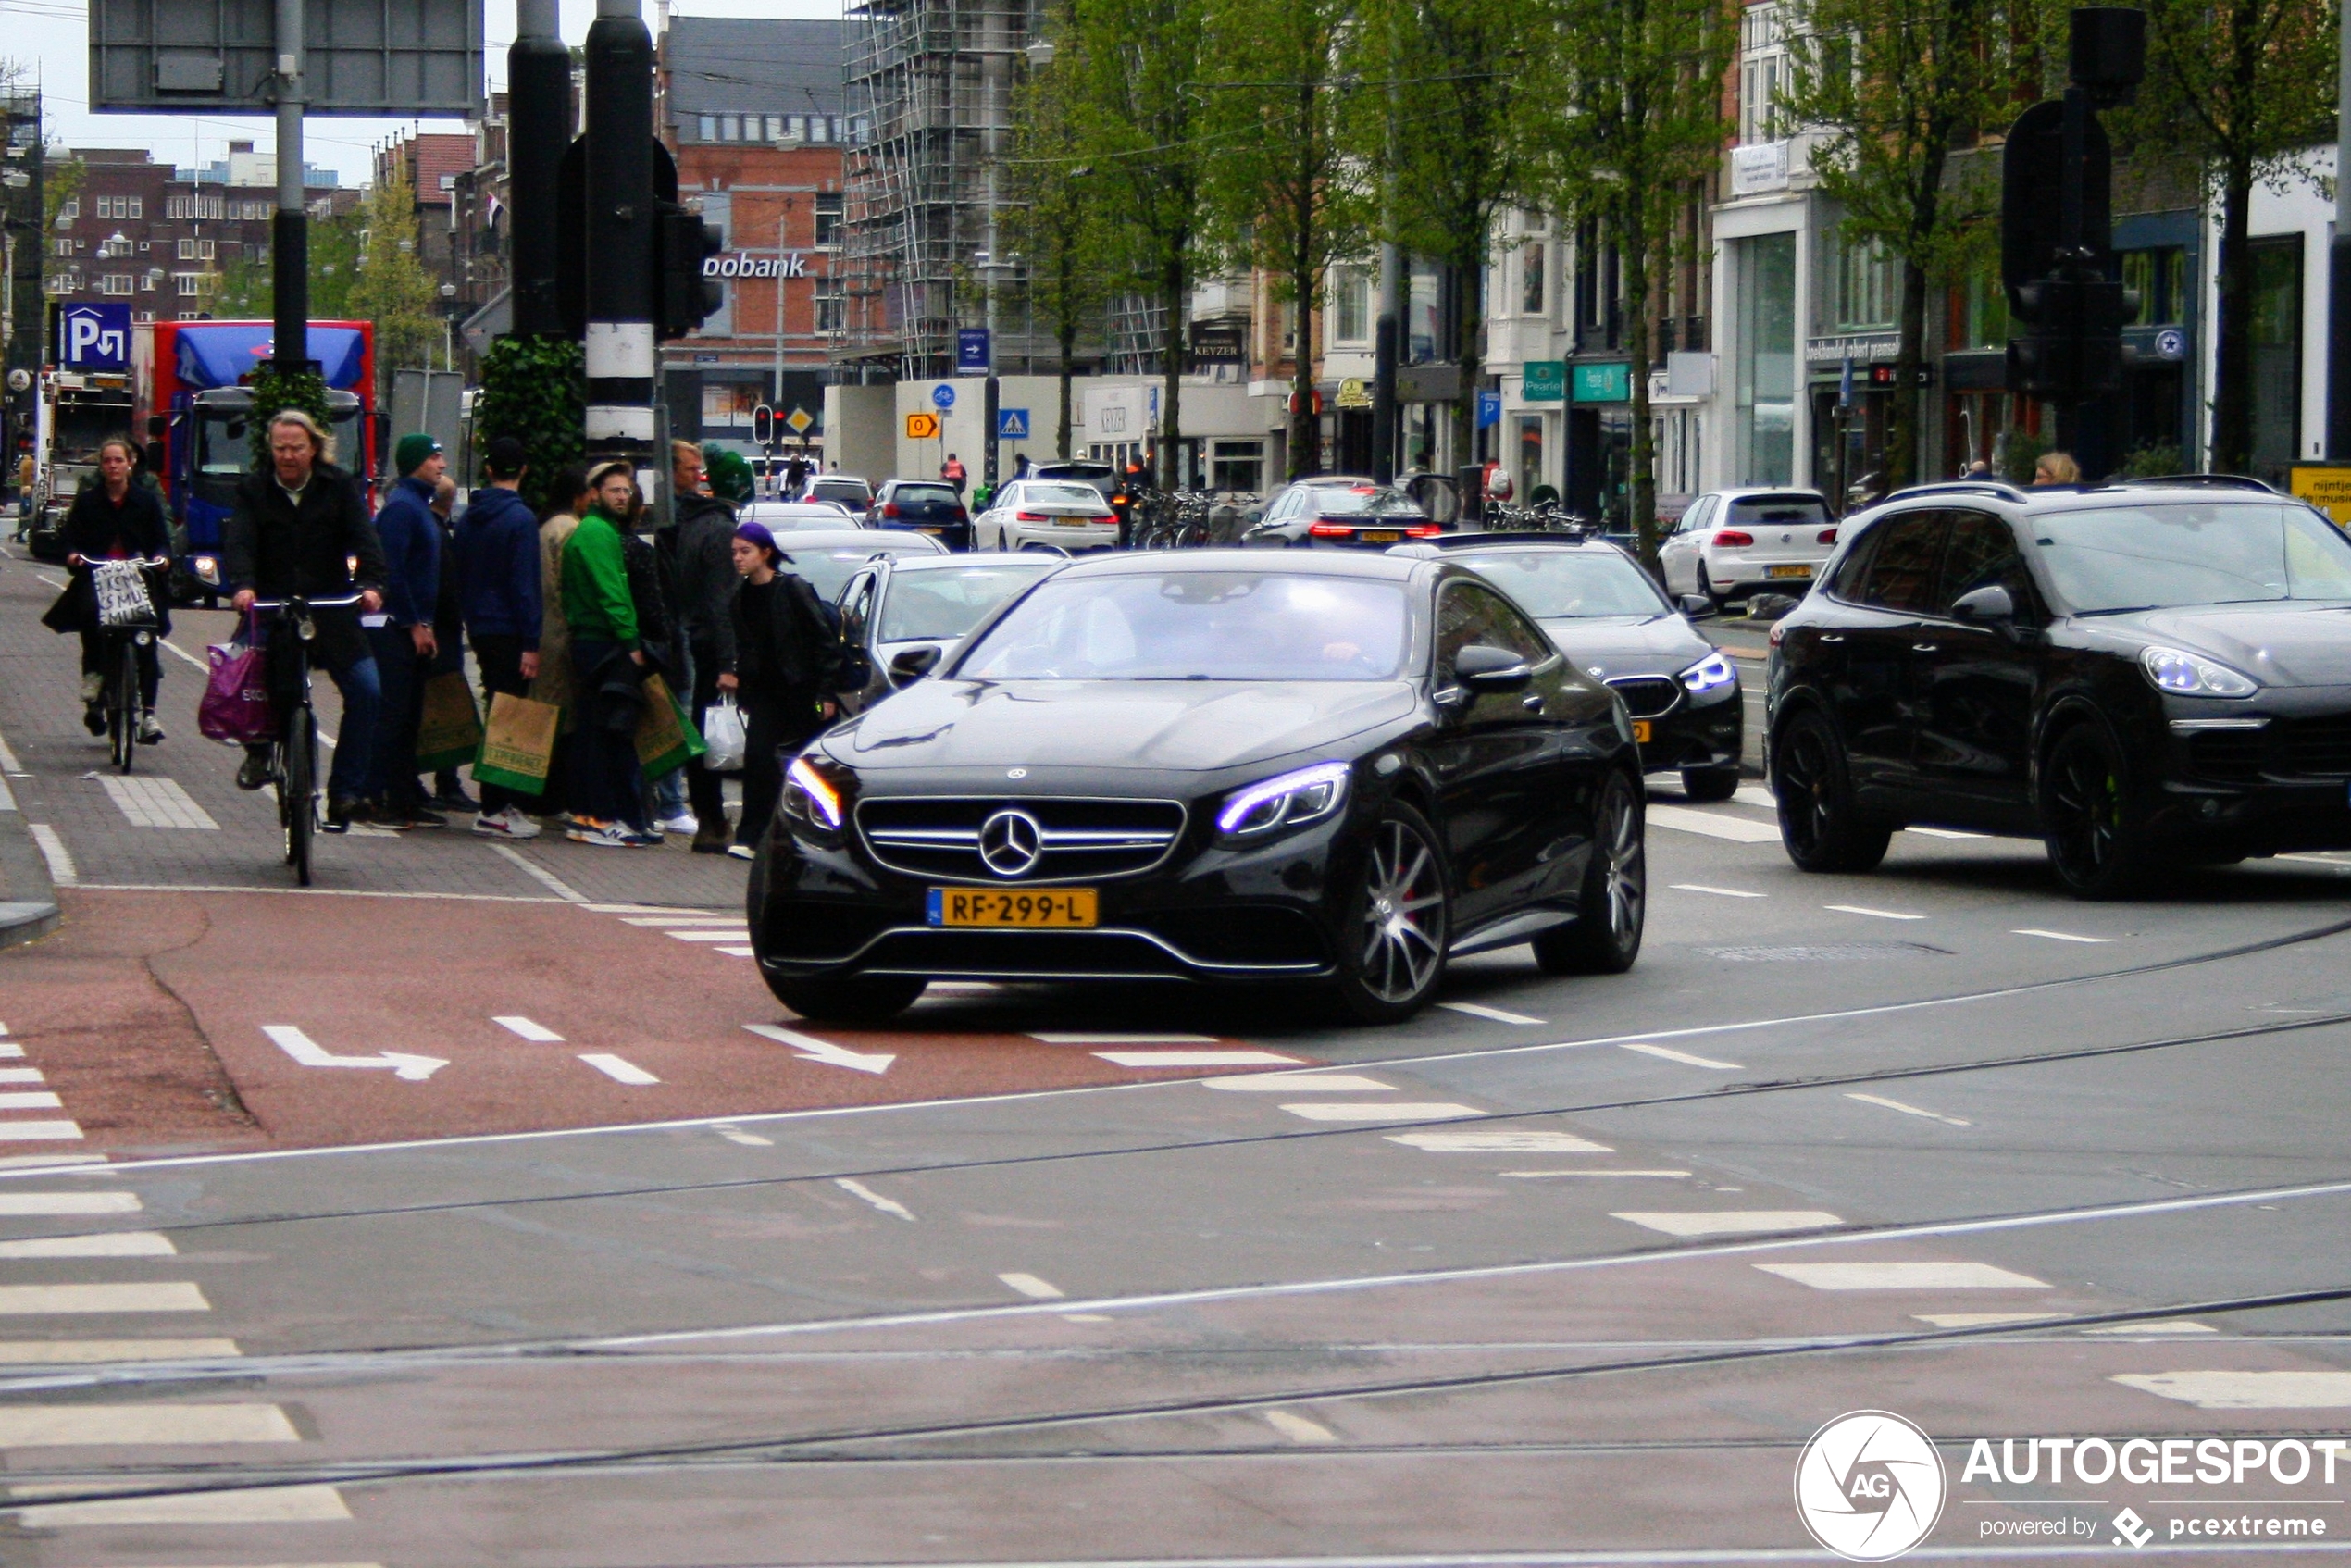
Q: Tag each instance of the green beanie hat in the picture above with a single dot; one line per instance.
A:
(411, 451)
(729, 475)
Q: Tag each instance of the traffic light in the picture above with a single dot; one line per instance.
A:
(684, 298)
(2075, 349)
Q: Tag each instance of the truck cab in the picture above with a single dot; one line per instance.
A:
(76, 411)
(215, 432)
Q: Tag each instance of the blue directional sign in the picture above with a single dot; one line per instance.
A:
(94, 337)
(1489, 410)
(971, 351)
(943, 396)
(1012, 424)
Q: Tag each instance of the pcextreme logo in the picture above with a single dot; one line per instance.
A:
(1870, 1485)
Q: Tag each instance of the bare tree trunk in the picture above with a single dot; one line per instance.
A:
(1068, 328)
(1469, 324)
(1171, 422)
(1634, 247)
(2233, 379)
(1903, 429)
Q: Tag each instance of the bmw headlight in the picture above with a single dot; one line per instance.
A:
(2192, 675)
(1710, 674)
(1288, 800)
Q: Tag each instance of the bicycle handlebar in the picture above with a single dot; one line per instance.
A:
(307, 604)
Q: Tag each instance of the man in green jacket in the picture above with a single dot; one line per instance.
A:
(607, 658)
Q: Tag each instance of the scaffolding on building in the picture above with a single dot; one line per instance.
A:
(930, 87)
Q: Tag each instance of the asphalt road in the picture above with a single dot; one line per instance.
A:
(356, 1233)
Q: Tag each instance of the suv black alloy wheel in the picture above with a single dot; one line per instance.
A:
(1821, 826)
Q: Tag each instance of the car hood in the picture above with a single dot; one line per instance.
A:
(1607, 646)
(1168, 725)
(2277, 644)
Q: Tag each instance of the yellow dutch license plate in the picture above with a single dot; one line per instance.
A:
(1640, 732)
(1787, 571)
(1057, 909)
(1379, 536)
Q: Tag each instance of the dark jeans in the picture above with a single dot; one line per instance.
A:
(93, 662)
(773, 732)
(402, 671)
(501, 661)
(706, 789)
(347, 777)
(606, 780)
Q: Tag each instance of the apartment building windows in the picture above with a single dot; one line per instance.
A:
(114, 284)
(1351, 304)
(1866, 286)
(187, 285)
(68, 209)
(1533, 276)
(61, 247)
(832, 311)
(828, 218)
(1764, 384)
(1763, 72)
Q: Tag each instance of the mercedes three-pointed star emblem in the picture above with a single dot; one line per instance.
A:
(1009, 842)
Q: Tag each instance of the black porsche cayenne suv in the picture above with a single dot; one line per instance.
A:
(1335, 769)
(2143, 675)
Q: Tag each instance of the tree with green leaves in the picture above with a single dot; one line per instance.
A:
(392, 289)
(1895, 88)
(1057, 222)
(1137, 113)
(1636, 125)
(2243, 88)
(1286, 187)
(246, 285)
(1460, 84)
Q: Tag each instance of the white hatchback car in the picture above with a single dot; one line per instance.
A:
(1066, 514)
(1732, 542)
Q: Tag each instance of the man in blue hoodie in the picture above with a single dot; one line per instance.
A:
(403, 635)
(500, 590)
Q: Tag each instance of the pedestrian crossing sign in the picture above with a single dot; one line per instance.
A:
(1012, 424)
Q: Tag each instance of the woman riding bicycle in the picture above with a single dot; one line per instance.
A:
(298, 526)
(112, 520)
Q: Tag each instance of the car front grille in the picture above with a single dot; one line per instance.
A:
(1648, 696)
(1078, 839)
(2286, 749)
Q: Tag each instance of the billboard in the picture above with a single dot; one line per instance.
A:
(395, 58)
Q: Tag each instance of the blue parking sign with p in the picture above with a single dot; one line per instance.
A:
(94, 337)
(1012, 424)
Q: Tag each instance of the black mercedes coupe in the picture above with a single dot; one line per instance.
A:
(1332, 770)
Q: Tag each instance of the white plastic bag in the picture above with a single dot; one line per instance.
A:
(722, 730)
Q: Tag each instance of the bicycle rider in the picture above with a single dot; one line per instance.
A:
(298, 526)
(114, 519)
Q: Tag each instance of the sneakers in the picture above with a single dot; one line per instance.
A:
(400, 818)
(603, 835)
(149, 730)
(456, 799)
(710, 843)
(507, 823)
(741, 851)
(93, 686)
(637, 841)
(683, 822)
(342, 813)
(253, 772)
(93, 719)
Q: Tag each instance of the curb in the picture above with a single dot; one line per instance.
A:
(29, 909)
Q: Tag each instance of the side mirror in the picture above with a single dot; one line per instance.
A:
(1254, 516)
(1985, 606)
(1697, 606)
(914, 663)
(1482, 668)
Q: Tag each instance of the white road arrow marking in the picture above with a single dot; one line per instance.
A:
(811, 1049)
(310, 1054)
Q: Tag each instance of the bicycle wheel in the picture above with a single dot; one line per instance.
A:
(298, 791)
(122, 709)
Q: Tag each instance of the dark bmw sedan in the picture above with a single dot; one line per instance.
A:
(1606, 614)
(1213, 766)
(2140, 674)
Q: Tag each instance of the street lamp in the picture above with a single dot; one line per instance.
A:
(1040, 54)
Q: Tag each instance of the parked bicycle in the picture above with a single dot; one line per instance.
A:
(124, 591)
(294, 757)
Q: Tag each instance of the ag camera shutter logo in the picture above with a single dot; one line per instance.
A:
(1870, 1485)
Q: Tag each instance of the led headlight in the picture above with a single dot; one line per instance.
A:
(1286, 800)
(810, 796)
(209, 570)
(2192, 675)
(1710, 673)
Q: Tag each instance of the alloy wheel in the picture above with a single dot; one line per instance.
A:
(1403, 913)
(2085, 798)
(1625, 883)
(1804, 783)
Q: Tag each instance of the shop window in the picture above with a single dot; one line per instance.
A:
(2160, 278)
(1237, 465)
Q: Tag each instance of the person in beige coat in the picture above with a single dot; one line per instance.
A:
(569, 498)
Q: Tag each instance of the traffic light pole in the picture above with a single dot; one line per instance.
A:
(620, 238)
(290, 230)
(539, 128)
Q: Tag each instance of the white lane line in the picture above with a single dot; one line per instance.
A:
(7, 797)
(101, 1244)
(1872, 913)
(734, 922)
(51, 1162)
(736, 951)
(8, 762)
(1538, 1176)
(617, 1068)
(1729, 1222)
(1301, 1083)
(1738, 829)
(517, 1024)
(53, 850)
(42, 1426)
(316, 1504)
(22, 1203)
(156, 803)
(2160, 1325)
(1197, 1059)
(735, 934)
(811, 1049)
(1880, 1101)
(1718, 892)
(165, 1296)
(1056, 1038)
(1373, 1111)
(1494, 1014)
(173, 647)
(1906, 1276)
(68, 1352)
(736, 1135)
(1030, 1285)
(1297, 1428)
(1667, 1052)
(1984, 1320)
(1528, 1142)
(11, 1049)
(1944, 832)
(298, 1045)
(636, 909)
(46, 1132)
(21, 1076)
(540, 874)
(1757, 796)
(886, 1206)
(31, 1099)
(2055, 936)
(2245, 1390)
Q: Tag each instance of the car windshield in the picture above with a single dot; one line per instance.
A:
(907, 492)
(851, 491)
(1778, 509)
(221, 446)
(1060, 496)
(2115, 558)
(1198, 626)
(948, 602)
(798, 515)
(1366, 502)
(1569, 584)
(828, 566)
